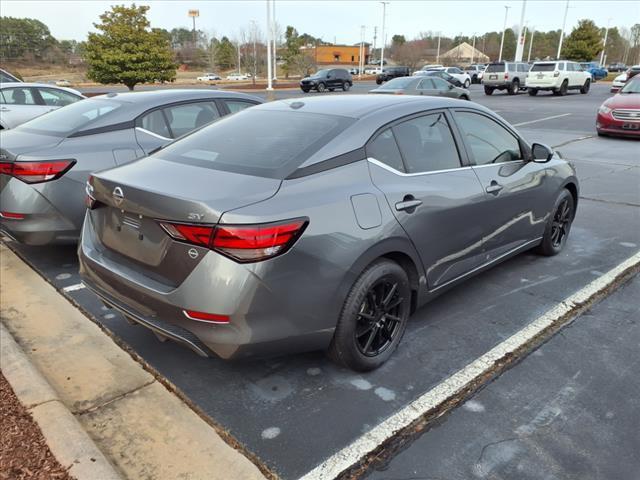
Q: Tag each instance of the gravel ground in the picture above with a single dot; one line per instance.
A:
(24, 454)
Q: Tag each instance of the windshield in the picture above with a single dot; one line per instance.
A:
(543, 67)
(402, 82)
(69, 119)
(631, 87)
(321, 73)
(262, 143)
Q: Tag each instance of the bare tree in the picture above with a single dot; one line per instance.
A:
(304, 63)
(409, 54)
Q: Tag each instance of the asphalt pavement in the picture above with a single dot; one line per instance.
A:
(295, 411)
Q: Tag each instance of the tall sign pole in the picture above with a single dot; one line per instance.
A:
(604, 45)
(521, 34)
(564, 24)
(194, 14)
(269, 73)
(533, 32)
(384, 16)
(504, 29)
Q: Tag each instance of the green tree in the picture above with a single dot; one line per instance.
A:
(126, 50)
(398, 40)
(584, 43)
(21, 37)
(225, 53)
(291, 55)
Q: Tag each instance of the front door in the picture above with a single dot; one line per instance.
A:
(436, 199)
(515, 189)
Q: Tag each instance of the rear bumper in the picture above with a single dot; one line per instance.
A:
(42, 223)
(260, 323)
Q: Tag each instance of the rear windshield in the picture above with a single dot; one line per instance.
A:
(262, 143)
(402, 82)
(69, 119)
(496, 67)
(543, 67)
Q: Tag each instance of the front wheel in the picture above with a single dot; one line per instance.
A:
(488, 90)
(346, 86)
(467, 82)
(374, 317)
(558, 225)
(585, 88)
(321, 87)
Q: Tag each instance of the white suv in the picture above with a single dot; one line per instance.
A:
(559, 77)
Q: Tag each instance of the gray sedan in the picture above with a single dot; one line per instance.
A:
(418, 85)
(319, 223)
(45, 163)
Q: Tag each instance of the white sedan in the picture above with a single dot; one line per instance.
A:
(239, 76)
(458, 74)
(208, 77)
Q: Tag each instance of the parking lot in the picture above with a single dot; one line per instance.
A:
(296, 412)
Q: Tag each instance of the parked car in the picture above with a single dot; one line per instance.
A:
(63, 83)
(475, 72)
(319, 223)
(392, 72)
(208, 77)
(621, 79)
(440, 74)
(376, 62)
(372, 70)
(355, 71)
(620, 114)
(432, 66)
(6, 77)
(239, 76)
(20, 102)
(46, 162)
(617, 67)
(509, 76)
(455, 72)
(420, 85)
(327, 79)
(558, 77)
(597, 72)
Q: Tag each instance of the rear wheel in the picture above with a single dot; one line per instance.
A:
(558, 225)
(562, 90)
(346, 86)
(374, 317)
(464, 97)
(585, 88)
(533, 92)
(488, 90)
(514, 88)
(321, 87)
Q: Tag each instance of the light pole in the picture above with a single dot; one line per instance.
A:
(438, 54)
(384, 15)
(361, 58)
(504, 29)
(254, 34)
(275, 40)
(521, 34)
(269, 73)
(533, 32)
(604, 45)
(239, 66)
(564, 23)
(473, 47)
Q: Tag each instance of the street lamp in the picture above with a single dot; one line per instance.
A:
(564, 23)
(438, 54)
(604, 45)
(504, 29)
(384, 15)
(269, 75)
(473, 47)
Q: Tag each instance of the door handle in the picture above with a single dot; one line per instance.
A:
(494, 188)
(408, 204)
(5, 109)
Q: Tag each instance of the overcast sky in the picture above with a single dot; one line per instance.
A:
(334, 20)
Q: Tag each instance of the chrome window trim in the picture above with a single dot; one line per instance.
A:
(153, 134)
(434, 172)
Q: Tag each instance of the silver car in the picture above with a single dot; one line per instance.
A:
(45, 163)
(319, 223)
(418, 85)
(20, 102)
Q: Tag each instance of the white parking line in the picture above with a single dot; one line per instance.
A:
(73, 288)
(541, 120)
(456, 383)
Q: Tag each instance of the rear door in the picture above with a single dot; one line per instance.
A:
(416, 163)
(515, 189)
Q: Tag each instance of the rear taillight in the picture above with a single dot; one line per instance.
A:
(556, 74)
(242, 243)
(506, 76)
(12, 215)
(36, 172)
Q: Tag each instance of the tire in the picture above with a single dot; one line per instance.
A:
(488, 90)
(321, 87)
(514, 88)
(371, 348)
(464, 97)
(558, 225)
(475, 79)
(305, 90)
(378, 81)
(585, 88)
(562, 91)
(346, 86)
(533, 92)
(467, 83)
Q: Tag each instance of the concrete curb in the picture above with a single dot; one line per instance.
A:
(68, 441)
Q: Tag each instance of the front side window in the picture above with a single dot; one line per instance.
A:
(427, 144)
(19, 96)
(57, 98)
(185, 118)
(384, 148)
(489, 141)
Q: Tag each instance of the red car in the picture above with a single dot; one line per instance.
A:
(620, 114)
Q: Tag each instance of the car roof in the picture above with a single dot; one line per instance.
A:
(29, 84)
(152, 98)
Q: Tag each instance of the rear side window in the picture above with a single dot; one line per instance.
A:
(543, 67)
(385, 149)
(426, 84)
(155, 122)
(236, 105)
(489, 141)
(263, 143)
(427, 144)
(185, 118)
(440, 84)
(19, 96)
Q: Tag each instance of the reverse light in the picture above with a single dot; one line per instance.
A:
(205, 317)
(36, 172)
(242, 243)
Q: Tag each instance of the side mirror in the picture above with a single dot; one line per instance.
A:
(541, 153)
(450, 87)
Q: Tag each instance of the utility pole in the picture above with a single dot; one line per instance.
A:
(239, 67)
(533, 32)
(269, 73)
(504, 29)
(384, 15)
(564, 24)
(254, 34)
(361, 58)
(275, 40)
(604, 45)
(521, 35)
(438, 54)
(473, 47)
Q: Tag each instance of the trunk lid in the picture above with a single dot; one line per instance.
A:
(132, 199)
(17, 142)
